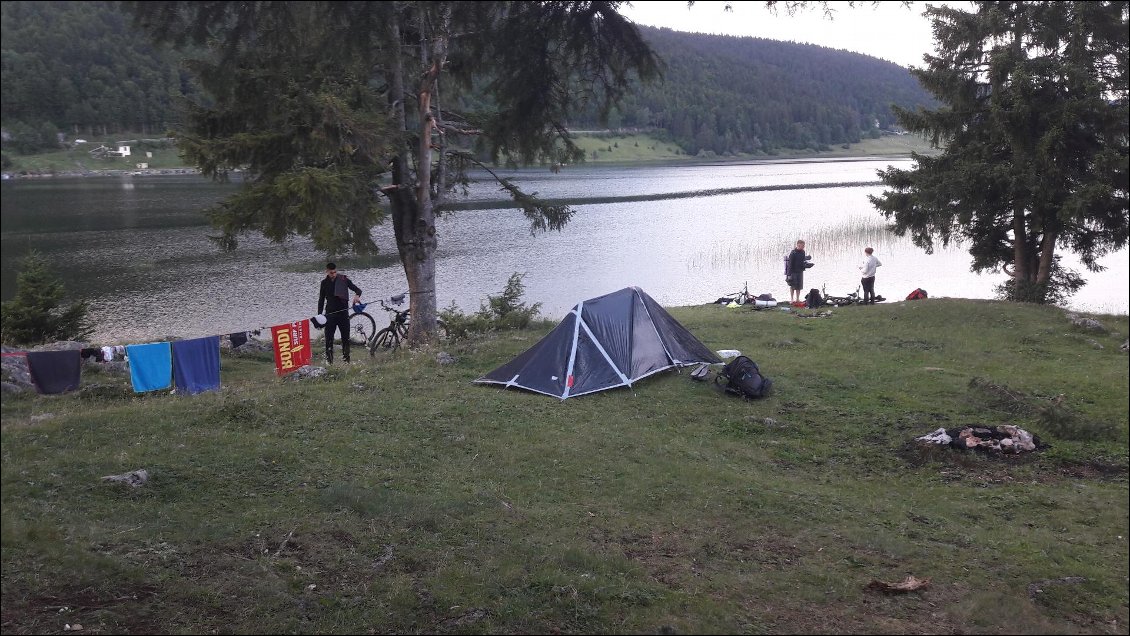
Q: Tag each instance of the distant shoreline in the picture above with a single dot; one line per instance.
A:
(147, 172)
(689, 162)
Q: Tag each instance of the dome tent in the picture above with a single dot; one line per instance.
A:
(603, 343)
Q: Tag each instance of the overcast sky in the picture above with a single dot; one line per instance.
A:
(888, 31)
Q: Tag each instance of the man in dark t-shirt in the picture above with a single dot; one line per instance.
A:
(797, 263)
(333, 296)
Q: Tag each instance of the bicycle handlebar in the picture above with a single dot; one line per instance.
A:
(386, 307)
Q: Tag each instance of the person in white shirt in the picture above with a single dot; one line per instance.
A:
(867, 270)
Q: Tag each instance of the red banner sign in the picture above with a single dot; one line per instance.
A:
(292, 346)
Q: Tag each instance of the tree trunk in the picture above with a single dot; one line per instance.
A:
(413, 219)
(1047, 257)
(1021, 269)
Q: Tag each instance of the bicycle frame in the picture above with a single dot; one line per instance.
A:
(389, 338)
(741, 297)
(839, 301)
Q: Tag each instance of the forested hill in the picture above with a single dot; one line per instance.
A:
(731, 94)
(79, 68)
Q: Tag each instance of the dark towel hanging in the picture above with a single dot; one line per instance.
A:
(55, 371)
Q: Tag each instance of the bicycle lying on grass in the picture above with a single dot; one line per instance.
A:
(843, 301)
(389, 338)
(740, 297)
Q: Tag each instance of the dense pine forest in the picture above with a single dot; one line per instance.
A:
(74, 69)
(78, 68)
(747, 95)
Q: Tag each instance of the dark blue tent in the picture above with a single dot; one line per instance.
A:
(604, 342)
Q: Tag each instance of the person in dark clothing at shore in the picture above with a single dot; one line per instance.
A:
(797, 262)
(333, 296)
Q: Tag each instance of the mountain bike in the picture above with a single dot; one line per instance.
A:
(389, 338)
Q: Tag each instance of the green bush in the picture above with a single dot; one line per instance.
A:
(505, 311)
(34, 316)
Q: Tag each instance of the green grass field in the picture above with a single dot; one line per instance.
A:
(644, 149)
(78, 159)
(394, 496)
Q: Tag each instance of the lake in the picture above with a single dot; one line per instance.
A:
(137, 247)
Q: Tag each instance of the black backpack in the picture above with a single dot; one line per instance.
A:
(741, 377)
(814, 299)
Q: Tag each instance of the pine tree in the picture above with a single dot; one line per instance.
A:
(1034, 123)
(326, 104)
(34, 315)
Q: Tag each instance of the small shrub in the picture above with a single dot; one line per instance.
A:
(34, 315)
(460, 325)
(505, 311)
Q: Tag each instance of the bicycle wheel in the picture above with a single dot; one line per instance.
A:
(361, 328)
(386, 340)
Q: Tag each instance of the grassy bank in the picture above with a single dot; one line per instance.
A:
(603, 149)
(633, 149)
(394, 496)
(78, 160)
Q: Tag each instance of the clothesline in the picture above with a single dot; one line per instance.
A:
(191, 365)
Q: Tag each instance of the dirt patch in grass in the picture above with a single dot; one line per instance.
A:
(920, 454)
(972, 465)
(671, 559)
(918, 613)
(1097, 470)
(1002, 398)
(123, 609)
(664, 558)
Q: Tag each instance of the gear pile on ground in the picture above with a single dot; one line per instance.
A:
(1006, 438)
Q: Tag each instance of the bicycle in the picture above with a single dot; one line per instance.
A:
(740, 297)
(389, 338)
(362, 327)
(843, 301)
(839, 301)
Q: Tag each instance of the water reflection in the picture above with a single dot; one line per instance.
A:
(141, 255)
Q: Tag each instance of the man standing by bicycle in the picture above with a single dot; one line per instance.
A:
(334, 298)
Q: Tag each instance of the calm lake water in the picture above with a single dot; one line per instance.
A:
(137, 247)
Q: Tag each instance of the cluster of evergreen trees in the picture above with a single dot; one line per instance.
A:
(80, 68)
(747, 95)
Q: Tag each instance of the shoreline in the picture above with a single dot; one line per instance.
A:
(658, 163)
(669, 163)
(147, 172)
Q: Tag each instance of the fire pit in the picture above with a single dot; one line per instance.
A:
(1003, 439)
